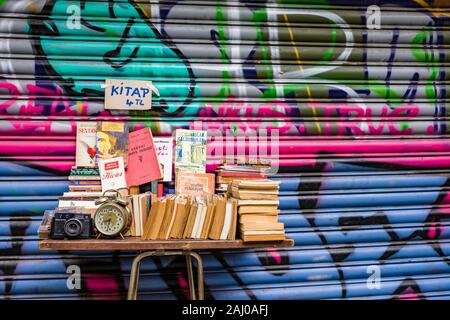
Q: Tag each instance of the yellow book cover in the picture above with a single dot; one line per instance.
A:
(112, 140)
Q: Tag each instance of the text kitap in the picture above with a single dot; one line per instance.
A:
(136, 93)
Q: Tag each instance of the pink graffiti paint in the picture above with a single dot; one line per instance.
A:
(57, 124)
(435, 230)
(13, 92)
(139, 126)
(275, 255)
(183, 285)
(354, 117)
(57, 105)
(232, 107)
(25, 125)
(423, 162)
(275, 108)
(443, 209)
(243, 126)
(38, 148)
(98, 286)
(409, 294)
(61, 166)
(212, 165)
(446, 199)
(60, 104)
(359, 148)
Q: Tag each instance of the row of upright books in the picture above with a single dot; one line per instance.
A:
(191, 217)
(140, 206)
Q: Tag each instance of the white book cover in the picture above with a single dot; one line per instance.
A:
(198, 215)
(227, 221)
(137, 215)
(77, 203)
(141, 214)
(202, 221)
(164, 150)
(85, 144)
(82, 194)
(169, 229)
(112, 173)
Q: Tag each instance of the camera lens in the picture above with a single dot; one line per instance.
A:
(73, 227)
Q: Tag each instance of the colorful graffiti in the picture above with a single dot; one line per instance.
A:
(360, 117)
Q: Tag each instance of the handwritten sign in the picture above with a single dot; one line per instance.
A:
(129, 94)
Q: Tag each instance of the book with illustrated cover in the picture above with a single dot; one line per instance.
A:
(112, 174)
(190, 151)
(86, 144)
(164, 150)
(112, 140)
(84, 171)
(194, 184)
(143, 163)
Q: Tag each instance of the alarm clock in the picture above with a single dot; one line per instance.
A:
(113, 217)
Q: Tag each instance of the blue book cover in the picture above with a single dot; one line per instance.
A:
(190, 150)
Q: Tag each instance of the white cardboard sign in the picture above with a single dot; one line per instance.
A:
(129, 94)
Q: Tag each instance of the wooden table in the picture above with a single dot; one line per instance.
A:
(161, 248)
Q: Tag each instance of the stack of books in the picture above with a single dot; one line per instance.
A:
(84, 188)
(85, 179)
(258, 211)
(229, 172)
(191, 217)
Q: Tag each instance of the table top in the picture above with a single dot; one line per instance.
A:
(135, 243)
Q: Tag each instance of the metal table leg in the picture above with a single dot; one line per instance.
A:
(134, 276)
(190, 277)
(135, 267)
(200, 288)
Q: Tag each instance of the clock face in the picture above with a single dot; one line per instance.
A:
(109, 220)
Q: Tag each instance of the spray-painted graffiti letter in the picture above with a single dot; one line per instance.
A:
(74, 18)
(373, 17)
(374, 279)
(74, 279)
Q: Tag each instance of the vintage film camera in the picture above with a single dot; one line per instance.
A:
(71, 225)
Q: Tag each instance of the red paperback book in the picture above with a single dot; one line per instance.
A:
(143, 163)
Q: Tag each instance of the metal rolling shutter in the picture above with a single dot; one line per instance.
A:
(361, 115)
